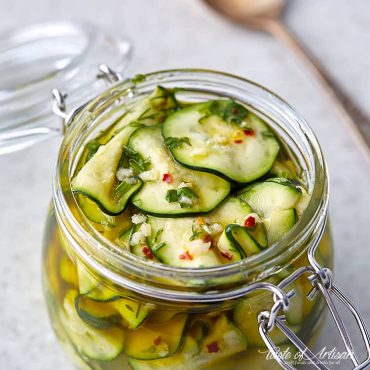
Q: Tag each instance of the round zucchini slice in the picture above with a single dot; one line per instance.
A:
(275, 200)
(221, 137)
(170, 189)
(96, 344)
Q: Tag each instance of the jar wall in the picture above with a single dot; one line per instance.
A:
(107, 327)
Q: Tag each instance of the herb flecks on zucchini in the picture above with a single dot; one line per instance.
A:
(173, 190)
(97, 179)
(102, 178)
(224, 138)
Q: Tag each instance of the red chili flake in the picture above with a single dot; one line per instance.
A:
(238, 141)
(157, 341)
(250, 222)
(186, 256)
(147, 252)
(213, 347)
(227, 255)
(249, 132)
(208, 238)
(167, 178)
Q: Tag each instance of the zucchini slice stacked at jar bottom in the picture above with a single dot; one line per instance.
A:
(189, 185)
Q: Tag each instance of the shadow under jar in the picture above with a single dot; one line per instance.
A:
(133, 313)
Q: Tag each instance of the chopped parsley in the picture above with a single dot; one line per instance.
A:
(229, 110)
(182, 196)
(92, 147)
(135, 160)
(176, 142)
(267, 134)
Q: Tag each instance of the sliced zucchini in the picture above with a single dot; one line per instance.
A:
(295, 313)
(279, 223)
(210, 137)
(124, 238)
(150, 110)
(229, 250)
(245, 316)
(102, 345)
(179, 361)
(67, 270)
(273, 194)
(155, 341)
(96, 314)
(274, 200)
(224, 340)
(171, 243)
(86, 281)
(97, 178)
(240, 237)
(90, 287)
(171, 189)
(92, 211)
(232, 210)
(102, 294)
(285, 169)
(132, 312)
(161, 316)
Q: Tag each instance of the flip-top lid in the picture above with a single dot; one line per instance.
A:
(38, 58)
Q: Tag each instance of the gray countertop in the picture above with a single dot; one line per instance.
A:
(183, 33)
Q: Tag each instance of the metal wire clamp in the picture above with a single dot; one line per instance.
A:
(321, 280)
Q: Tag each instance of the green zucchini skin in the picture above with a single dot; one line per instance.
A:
(181, 360)
(96, 344)
(141, 343)
(97, 315)
(275, 200)
(209, 190)
(211, 145)
(96, 179)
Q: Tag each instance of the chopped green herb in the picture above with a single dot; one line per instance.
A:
(157, 235)
(129, 307)
(181, 196)
(172, 196)
(284, 182)
(136, 161)
(267, 134)
(121, 190)
(196, 235)
(92, 147)
(176, 142)
(158, 246)
(138, 78)
(229, 110)
(187, 192)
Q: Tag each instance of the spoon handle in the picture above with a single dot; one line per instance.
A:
(357, 120)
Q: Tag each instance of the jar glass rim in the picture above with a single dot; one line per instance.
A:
(312, 218)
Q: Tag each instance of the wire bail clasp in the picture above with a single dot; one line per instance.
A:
(321, 280)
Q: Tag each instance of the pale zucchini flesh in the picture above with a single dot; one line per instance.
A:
(239, 152)
(97, 178)
(102, 345)
(209, 189)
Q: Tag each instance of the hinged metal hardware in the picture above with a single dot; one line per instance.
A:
(59, 98)
(322, 282)
(59, 107)
(109, 74)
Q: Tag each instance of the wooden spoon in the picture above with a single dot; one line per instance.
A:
(265, 15)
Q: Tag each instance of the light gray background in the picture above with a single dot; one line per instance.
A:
(183, 33)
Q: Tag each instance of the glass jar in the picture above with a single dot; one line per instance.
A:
(175, 317)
